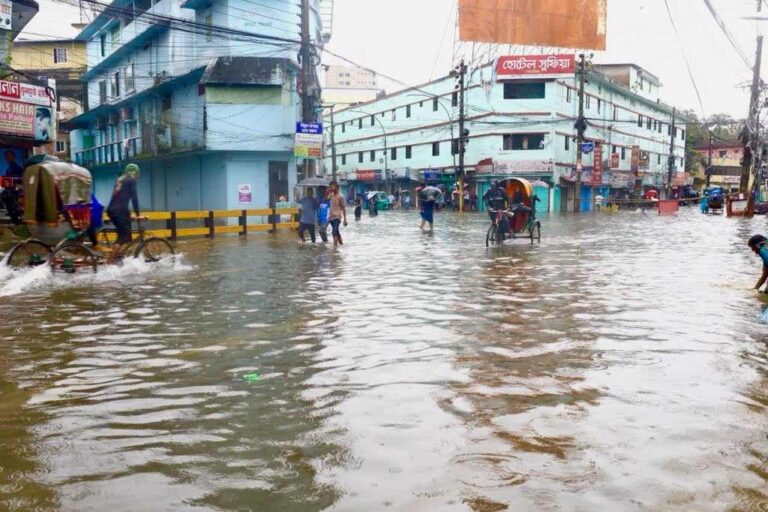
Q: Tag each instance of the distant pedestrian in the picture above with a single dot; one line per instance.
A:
(309, 206)
(358, 208)
(406, 202)
(338, 212)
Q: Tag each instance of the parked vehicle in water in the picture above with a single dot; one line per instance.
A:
(380, 199)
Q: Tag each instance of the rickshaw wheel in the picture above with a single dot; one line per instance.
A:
(154, 249)
(72, 259)
(536, 232)
(28, 254)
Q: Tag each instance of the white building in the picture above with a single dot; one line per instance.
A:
(520, 115)
(346, 86)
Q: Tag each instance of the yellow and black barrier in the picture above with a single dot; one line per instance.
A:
(177, 223)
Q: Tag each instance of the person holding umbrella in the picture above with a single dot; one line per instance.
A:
(427, 199)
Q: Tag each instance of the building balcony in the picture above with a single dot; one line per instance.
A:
(110, 153)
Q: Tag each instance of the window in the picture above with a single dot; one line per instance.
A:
(640, 121)
(209, 28)
(421, 104)
(567, 143)
(588, 100)
(343, 159)
(343, 127)
(130, 83)
(103, 44)
(658, 159)
(661, 127)
(524, 90)
(115, 86)
(599, 106)
(455, 146)
(523, 142)
(682, 134)
(373, 156)
(394, 114)
(373, 120)
(435, 149)
(623, 153)
(455, 99)
(142, 6)
(61, 146)
(434, 104)
(615, 114)
(59, 55)
(648, 124)
(407, 111)
(723, 154)
(408, 152)
(613, 149)
(394, 153)
(360, 123)
(102, 91)
(360, 157)
(166, 102)
(568, 94)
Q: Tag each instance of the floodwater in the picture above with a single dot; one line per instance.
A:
(620, 365)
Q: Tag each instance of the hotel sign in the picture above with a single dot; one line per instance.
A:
(527, 66)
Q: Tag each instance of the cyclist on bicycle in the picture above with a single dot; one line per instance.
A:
(125, 192)
(496, 199)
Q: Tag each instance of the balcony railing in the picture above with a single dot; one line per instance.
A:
(110, 153)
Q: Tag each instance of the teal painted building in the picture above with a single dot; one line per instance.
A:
(199, 94)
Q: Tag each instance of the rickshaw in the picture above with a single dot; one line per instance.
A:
(520, 217)
(57, 213)
(713, 200)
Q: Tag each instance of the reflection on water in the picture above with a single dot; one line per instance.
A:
(621, 364)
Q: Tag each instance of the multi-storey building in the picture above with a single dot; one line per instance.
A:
(726, 168)
(520, 114)
(349, 85)
(202, 94)
(64, 61)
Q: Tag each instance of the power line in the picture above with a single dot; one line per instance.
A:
(685, 57)
(726, 31)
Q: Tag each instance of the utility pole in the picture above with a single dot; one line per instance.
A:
(708, 171)
(581, 127)
(463, 133)
(751, 156)
(333, 145)
(671, 160)
(307, 79)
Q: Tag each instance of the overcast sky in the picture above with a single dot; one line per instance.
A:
(413, 41)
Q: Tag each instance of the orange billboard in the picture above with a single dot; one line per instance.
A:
(558, 23)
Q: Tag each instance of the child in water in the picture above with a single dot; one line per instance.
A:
(759, 245)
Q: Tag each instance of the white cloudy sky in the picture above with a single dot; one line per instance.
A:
(413, 41)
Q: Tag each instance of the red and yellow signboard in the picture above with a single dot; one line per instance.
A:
(559, 23)
(597, 166)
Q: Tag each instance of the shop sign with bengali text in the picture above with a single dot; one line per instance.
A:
(621, 180)
(25, 93)
(245, 193)
(25, 120)
(615, 160)
(432, 174)
(309, 141)
(519, 168)
(516, 66)
(368, 175)
(597, 166)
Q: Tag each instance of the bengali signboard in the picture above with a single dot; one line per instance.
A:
(309, 141)
(615, 161)
(621, 180)
(26, 93)
(518, 168)
(578, 24)
(597, 166)
(528, 66)
(245, 193)
(368, 175)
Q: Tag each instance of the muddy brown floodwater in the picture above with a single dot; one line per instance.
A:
(620, 365)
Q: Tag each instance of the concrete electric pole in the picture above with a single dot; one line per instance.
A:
(752, 147)
(463, 133)
(581, 127)
(308, 89)
(671, 159)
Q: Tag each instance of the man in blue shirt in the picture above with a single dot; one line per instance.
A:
(759, 245)
(14, 170)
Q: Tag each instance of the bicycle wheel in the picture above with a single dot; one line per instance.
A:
(28, 254)
(538, 231)
(492, 238)
(154, 249)
(73, 259)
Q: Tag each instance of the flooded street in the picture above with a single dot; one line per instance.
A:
(620, 365)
